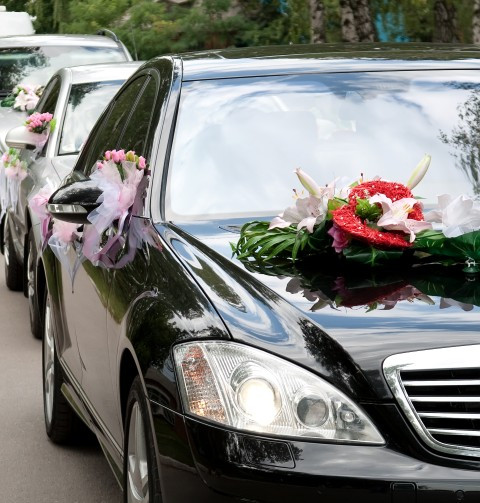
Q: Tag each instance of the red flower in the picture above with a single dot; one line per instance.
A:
(346, 218)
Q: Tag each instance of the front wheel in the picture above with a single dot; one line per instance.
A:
(60, 419)
(140, 473)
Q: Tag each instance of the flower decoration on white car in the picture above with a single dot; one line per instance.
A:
(12, 171)
(39, 126)
(23, 98)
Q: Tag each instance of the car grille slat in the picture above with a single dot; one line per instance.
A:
(465, 433)
(451, 382)
(447, 399)
(449, 415)
(439, 391)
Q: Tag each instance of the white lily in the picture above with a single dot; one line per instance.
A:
(308, 211)
(395, 215)
(309, 183)
(26, 101)
(457, 216)
(419, 172)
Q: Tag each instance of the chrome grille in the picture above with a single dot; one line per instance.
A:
(439, 391)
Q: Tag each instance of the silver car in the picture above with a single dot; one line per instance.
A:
(32, 60)
(76, 97)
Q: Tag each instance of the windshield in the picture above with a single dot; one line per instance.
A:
(238, 141)
(85, 104)
(35, 65)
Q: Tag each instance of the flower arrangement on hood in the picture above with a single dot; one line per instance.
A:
(23, 97)
(40, 123)
(369, 221)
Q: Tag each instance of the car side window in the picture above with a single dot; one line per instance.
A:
(109, 133)
(48, 102)
(136, 134)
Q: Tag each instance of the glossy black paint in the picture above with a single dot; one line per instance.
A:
(187, 286)
(81, 196)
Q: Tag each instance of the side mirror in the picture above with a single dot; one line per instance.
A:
(20, 137)
(74, 201)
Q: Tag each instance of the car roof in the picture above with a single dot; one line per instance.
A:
(327, 58)
(57, 40)
(101, 72)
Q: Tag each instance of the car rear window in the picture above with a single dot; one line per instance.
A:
(238, 141)
(35, 65)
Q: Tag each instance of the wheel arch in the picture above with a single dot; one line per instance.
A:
(128, 370)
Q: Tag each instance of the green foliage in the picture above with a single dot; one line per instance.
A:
(368, 255)
(367, 211)
(460, 248)
(259, 243)
(152, 27)
(88, 16)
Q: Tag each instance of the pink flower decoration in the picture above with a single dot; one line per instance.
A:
(108, 155)
(340, 238)
(115, 156)
(142, 163)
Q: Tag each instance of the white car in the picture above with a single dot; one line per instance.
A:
(76, 97)
(15, 23)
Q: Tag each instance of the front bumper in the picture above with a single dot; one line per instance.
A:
(200, 463)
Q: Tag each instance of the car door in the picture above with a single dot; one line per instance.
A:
(85, 297)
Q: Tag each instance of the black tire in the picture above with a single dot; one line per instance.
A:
(61, 422)
(137, 404)
(13, 269)
(35, 301)
(2, 227)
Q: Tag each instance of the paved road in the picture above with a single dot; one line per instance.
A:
(33, 469)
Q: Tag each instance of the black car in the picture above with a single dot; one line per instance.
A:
(209, 378)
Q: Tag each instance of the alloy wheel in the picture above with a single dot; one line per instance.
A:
(137, 464)
(48, 363)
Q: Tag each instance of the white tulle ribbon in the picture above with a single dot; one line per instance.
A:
(12, 172)
(63, 238)
(115, 234)
(116, 201)
(38, 205)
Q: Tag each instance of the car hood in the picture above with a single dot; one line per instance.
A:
(340, 324)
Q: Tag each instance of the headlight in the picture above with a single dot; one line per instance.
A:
(249, 389)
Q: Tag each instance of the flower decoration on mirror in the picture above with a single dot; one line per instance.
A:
(23, 97)
(40, 125)
(123, 178)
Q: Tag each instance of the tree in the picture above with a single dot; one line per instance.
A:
(476, 22)
(465, 139)
(363, 20)
(317, 21)
(357, 24)
(349, 29)
(445, 24)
